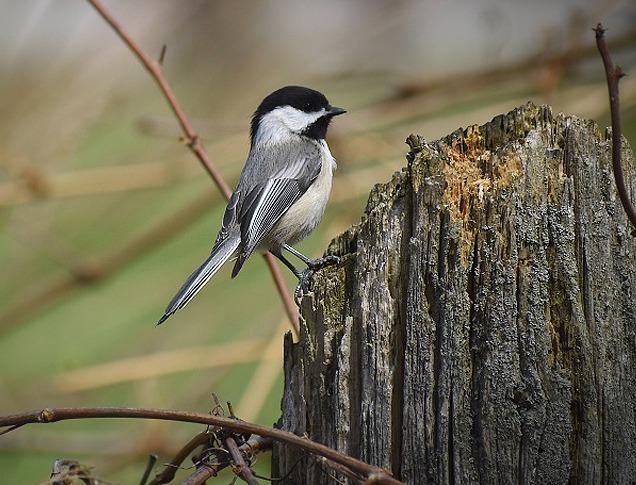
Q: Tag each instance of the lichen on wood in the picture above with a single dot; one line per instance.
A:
(481, 327)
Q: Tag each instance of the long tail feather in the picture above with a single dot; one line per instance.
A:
(197, 280)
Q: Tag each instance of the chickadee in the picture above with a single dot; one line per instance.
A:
(282, 191)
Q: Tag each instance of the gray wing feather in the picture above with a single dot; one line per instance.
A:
(221, 252)
(268, 200)
(227, 241)
(229, 217)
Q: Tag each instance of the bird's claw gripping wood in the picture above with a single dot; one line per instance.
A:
(304, 278)
(282, 191)
(323, 262)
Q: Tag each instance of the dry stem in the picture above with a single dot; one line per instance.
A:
(51, 415)
(613, 74)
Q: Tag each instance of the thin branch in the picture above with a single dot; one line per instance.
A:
(613, 74)
(168, 473)
(343, 470)
(154, 69)
(11, 428)
(50, 415)
(152, 459)
(208, 470)
(193, 142)
(242, 469)
(200, 475)
(162, 54)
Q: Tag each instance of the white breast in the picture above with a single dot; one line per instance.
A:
(305, 214)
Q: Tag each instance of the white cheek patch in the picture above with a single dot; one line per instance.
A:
(295, 119)
(278, 123)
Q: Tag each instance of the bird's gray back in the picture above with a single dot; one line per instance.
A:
(279, 160)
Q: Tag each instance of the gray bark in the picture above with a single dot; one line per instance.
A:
(481, 325)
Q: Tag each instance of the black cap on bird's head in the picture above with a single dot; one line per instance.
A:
(305, 100)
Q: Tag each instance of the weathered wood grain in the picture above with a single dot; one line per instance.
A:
(481, 327)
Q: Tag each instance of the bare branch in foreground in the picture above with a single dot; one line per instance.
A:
(192, 140)
(243, 470)
(613, 74)
(208, 470)
(371, 473)
(168, 473)
(152, 459)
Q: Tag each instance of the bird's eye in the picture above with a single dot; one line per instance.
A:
(307, 106)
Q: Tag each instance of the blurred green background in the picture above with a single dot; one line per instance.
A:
(104, 212)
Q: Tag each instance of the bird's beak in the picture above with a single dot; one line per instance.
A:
(335, 111)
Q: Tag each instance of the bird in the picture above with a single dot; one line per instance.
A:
(282, 191)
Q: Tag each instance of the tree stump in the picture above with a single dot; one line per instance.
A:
(481, 325)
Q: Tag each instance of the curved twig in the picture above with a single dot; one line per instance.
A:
(200, 475)
(50, 415)
(150, 464)
(168, 473)
(206, 470)
(243, 470)
(613, 74)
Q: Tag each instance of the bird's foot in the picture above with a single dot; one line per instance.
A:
(323, 262)
(304, 278)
